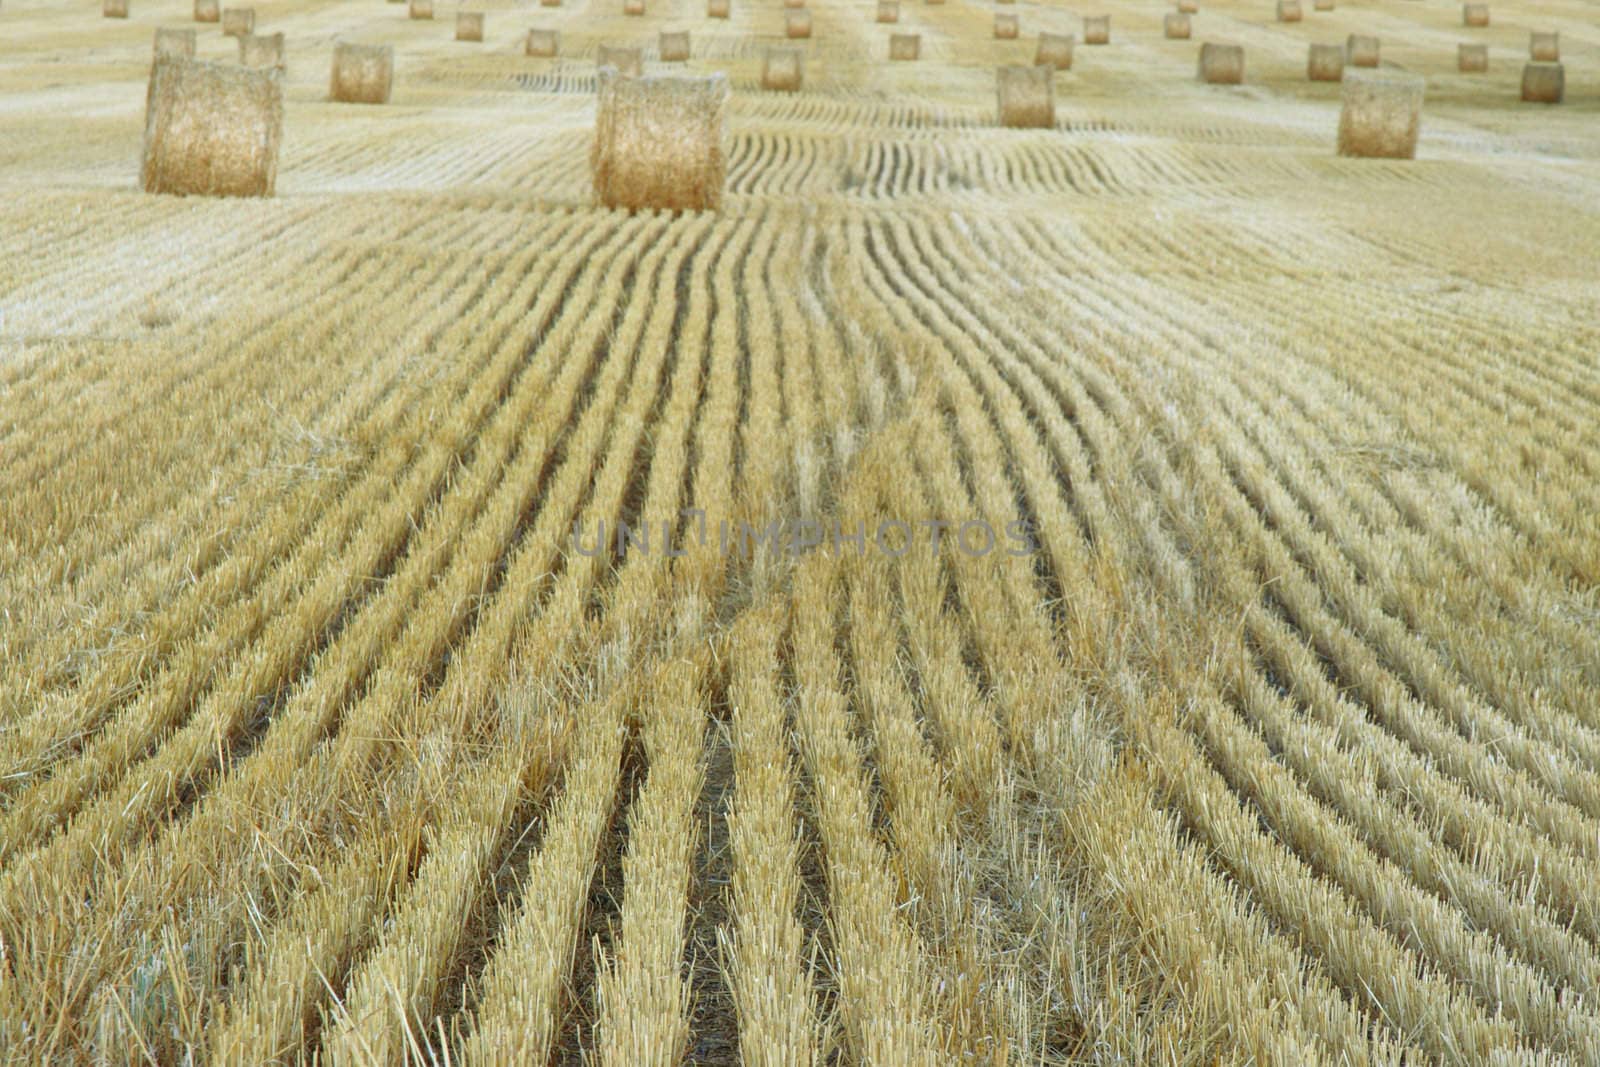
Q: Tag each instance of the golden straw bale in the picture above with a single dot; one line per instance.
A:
(1097, 29)
(1055, 50)
(1176, 26)
(783, 70)
(1326, 63)
(1381, 114)
(794, 3)
(1474, 14)
(238, 21)
(542, 43)
(1005, 27)
(933, 1)
(207, 11)
(628, 62)
(716, 9)
(421, 9)
(114, 9)
(1027, 97)
(1361, 50)
(1472, 58)
(362, 73)
(1544, 83)
(905, 47)
(658, 142)
(1289, 10)
(469, 25)
(797, 24)
(1322, 5)
(262, 51)
(1222, 64)
(1544, 47)
(633, 7)
(888, 10)
(211, 129)
(549, 3)
(674, 46)
(174, 43)
(1188, 7)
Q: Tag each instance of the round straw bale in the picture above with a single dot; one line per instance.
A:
(207, 11)
(1472, 58)
(1380, 114)
(114, 9)
(1188, 7)
(674, 46)
(211, 129)
(933, 1)
(1055, 50)
(1322, 5)
(421, 9)
(238, 21)
(549, 3)
(905, 47)
(1544, 83)
(1289, 10)
(1176, 26)
(794, 3)
(716, 9)
(1027, 97)
(261, 51)
(174, 42)
(1361, 50)
(1474, 14)
(1325, 63)
(783, 70)
(469, 25)
(542, 43)
(362, 73)
(1222, 64)
(658, 142)
(1097, 29)
(633, 7)
(797, 23)
(888, 10)
(1005, 27)
(629, 62)
(1544, 47)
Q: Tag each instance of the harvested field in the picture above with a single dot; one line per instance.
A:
(432, 622)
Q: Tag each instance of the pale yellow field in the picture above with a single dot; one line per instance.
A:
(320, 741)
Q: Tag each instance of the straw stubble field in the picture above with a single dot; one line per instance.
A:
(320, 737)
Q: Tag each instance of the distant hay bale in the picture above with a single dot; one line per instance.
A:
(658, 142)
(362, 73)
(794, 3)
(1544, 83)
(905, 47)
(238, 21)
(207, 11)
(544, 44)
(1380, 115)
(674, 46)
(114, 9)
(1027, 97)
(1474, 14)
(1544, 47)
(1055, 50)
(633, 7)
(628, 62)
(783, 70)
(1188, 7)
(262, 51)
(469, 25)
(888, 10)
(1289, 10)
(549, 3)
(1326, 63)
(211, 129)
(1361, 50)
(174, 43)
(1176, 26)
(1322, 5)
(797, 24)
(1472, 58)
(1222, 64)
(1097, 29)
(1005, 27)
(716, 9)
(421, 9)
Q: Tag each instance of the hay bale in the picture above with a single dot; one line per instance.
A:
(797, 24)
(633, 7)
(1472, 58)
(421, 9)
(629, 62)
(544, 44)
(888, 10)
(1175, 26)
(1027, 97)
(261, 51)
(905, 47)
(1326, 63)
(207, 11)
(783, 70)
(469, 25)
(1055, 51)
(1544, 83)
(174, 43)
(1544, 47)
(1097, 29)
(658, 142)
(362, 73)
(1188, 7)
(1476, 15)
(549, 3)
(1222, 64)
(211, 129)
(1322, 5)
(716, 9)
(114, 9)
(1361, 50)
(1380, 115)
(238, 21)
(1289, 11)
(794, 3)
(675, 46)
(1005, 27)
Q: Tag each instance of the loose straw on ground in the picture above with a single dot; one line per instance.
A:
(362, 73)
(1026, 97)
(1381, 115)
(783, 70)
(1055, 50)
(211, 129)
(658, 142)
(1222, 64)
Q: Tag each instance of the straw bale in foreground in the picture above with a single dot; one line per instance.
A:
(658, 142)
(1027, 97)
(1381, 115)
(211, 129)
